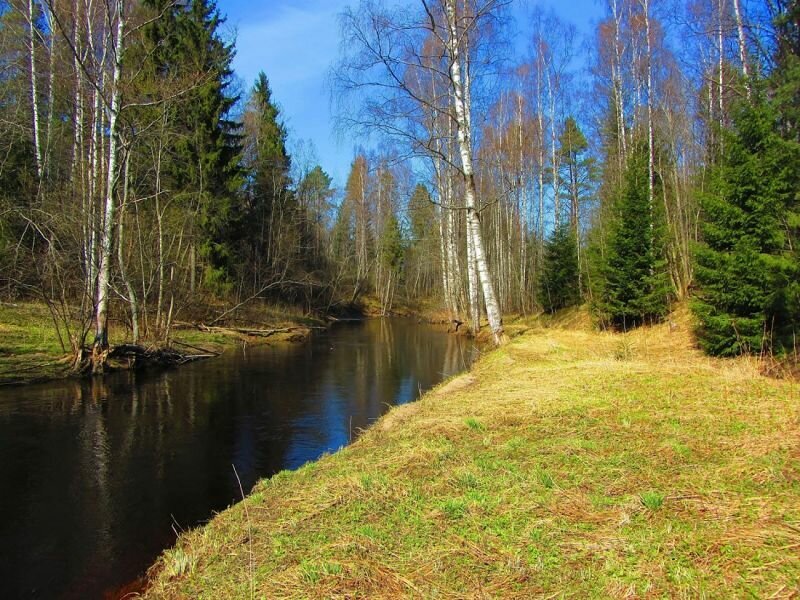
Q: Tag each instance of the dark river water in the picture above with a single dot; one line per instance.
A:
(97, 475)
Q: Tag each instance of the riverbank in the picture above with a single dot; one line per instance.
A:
(569, 462)
(30, 350)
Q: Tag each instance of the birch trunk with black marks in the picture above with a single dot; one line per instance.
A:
(112, 177)
(461, 102)
(649, 88)
(34, 89)
(742, 44)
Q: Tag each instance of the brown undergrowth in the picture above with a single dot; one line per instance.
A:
(568, 463)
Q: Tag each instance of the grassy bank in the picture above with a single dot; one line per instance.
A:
(30, 350)
(567, 464)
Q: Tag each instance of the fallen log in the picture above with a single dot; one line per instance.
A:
(249, 331)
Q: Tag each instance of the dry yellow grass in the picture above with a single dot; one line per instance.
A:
(569, 463)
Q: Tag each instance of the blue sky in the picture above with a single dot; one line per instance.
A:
(295, 41)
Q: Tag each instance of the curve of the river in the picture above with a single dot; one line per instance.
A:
(97, 476)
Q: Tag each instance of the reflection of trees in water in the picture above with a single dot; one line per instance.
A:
(96, 469)
(458, 355)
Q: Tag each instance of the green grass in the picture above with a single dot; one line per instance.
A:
(541, 474)
(28, 329)
(30, 349)
(652, 500)
(29, 346)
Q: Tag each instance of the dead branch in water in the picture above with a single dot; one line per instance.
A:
(139, 356)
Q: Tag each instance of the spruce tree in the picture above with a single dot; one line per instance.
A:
(746, 267)
(269, 224)
(392, 246)
(203, 154)
(424, 247)
(785, 86)
(559, 282)
(635, 287)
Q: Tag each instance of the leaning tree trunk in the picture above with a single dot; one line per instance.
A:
(461, 100)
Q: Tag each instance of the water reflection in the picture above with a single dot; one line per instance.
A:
(96, 475)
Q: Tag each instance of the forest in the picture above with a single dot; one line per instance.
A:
(655, 161)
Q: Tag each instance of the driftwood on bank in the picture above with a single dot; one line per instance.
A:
(250, 331)
(140, 356)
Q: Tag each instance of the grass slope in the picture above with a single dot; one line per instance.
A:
(567, 464)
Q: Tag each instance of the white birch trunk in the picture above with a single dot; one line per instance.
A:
(616, 74)
(523, 216)
(553, 153)
(454, 269)
(720, 65)
(742, 45)
(650, 140)
(461, 100)
(445, 267)
(34, 91)
(472, 285)
(50, 88)
(541, 154)
(112, 177)
(77, 140)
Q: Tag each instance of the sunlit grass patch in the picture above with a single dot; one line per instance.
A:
(474, 424)
(179, 562)
(652, 500)
(558, 470)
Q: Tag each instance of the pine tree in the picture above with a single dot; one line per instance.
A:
(635, 287)
(746, 268)
(314, 195)
(559, 282)
(577, 168)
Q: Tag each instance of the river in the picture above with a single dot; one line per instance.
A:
(97, 476)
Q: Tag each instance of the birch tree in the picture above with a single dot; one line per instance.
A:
(381, 68)
(115, 14)
(34, 76)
